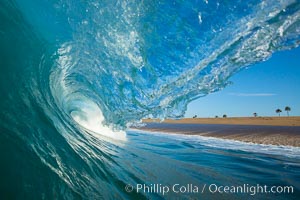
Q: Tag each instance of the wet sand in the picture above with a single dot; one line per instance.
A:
(260, 131)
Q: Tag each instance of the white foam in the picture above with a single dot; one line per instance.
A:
(288, 151)
(90, 117)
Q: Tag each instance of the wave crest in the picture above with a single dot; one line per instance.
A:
(147, 59)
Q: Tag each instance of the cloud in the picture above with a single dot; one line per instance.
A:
(252, 94)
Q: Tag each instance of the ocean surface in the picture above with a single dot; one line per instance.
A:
(75, 74)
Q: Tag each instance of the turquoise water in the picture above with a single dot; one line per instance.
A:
(75, 74)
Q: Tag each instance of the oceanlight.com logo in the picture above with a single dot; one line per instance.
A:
(205, 188)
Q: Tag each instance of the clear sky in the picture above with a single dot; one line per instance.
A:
(262, 88)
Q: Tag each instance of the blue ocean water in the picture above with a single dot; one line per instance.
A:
(75, 74)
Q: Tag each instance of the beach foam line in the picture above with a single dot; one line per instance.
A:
(275, 135)
(228, 144)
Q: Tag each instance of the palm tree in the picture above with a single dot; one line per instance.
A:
(278, 111)
(255, 114)
(287, 109)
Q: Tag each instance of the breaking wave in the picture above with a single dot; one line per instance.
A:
(75, 74)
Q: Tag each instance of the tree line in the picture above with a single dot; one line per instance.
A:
(278, 111)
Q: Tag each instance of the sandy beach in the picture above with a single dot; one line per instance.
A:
(272, 121)
(261, 130)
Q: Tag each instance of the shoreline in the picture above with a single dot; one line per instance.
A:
(271, 121)
(214, 137)
(262, 133)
